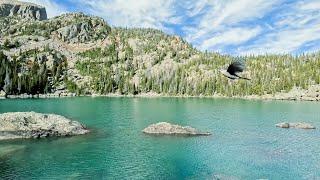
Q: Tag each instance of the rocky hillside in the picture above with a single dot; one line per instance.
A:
(23, 10)
(81, 54)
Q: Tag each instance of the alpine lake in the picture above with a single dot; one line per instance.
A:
(245, 144)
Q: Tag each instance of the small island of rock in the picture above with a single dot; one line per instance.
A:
(295, 125)
(21, 125)
(164, 128)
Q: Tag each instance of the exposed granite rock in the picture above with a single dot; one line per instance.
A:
(312, 93)
(2, 94)
(164, 128)
(83, 31)
(283, 125)
(22, 9)
(148, 53)
(295, 125)
(35, 125)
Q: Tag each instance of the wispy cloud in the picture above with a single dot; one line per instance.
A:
(227, 26)
(295, 31)
(232, 36)
(134, 13)
(226, 23)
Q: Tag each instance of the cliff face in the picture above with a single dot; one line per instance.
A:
(23, 10)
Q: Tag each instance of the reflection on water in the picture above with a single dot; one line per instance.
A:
(245, 143)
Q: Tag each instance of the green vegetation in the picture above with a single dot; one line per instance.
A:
(29, 74)
(134, 61)
(187, 71)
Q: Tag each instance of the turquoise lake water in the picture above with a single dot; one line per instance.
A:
(245, 143)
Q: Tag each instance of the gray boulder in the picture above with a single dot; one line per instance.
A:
(35, 125)
(22, 9)
(84, 31)
(299, 125)
(164, 128)
(2, 94)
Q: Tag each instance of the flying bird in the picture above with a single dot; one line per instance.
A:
(234, 69)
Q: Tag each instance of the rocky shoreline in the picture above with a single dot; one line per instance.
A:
(296, 94)
(23, 125)
(285, 97)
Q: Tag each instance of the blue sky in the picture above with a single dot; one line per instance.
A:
(237, 27)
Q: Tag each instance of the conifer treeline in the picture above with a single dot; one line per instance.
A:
(25, 76)
(147, 60)
(162, 64)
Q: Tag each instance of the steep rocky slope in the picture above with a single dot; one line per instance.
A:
(81, 54)
(24, 10)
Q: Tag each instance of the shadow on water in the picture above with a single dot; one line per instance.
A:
(7, 168)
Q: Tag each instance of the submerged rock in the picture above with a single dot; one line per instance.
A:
(164, 128)
(299, 125)
(223, 177)
(6, 150)
(35, 125)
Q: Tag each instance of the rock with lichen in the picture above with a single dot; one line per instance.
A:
(22, 9)
(164, 128)
(21, 125)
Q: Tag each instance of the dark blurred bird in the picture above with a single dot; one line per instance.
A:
(234, 69)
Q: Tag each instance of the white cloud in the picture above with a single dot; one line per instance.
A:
(313, 5)
(229, 26)
(294, 30)
(194, 8)
(52, 8)
(233, 36)
(221, 15)
(134, 13)
(286, 41)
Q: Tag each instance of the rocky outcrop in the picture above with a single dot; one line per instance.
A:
(83, 31)
(150, 60)
(2, 94)
(23, 10)
(312, 93)
(295, 125)
(164, 128)
(35, 125)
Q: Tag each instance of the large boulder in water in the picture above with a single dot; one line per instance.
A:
(35, 125)
(164, 128)
(299, 125)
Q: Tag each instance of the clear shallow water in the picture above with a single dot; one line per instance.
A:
(245, 143)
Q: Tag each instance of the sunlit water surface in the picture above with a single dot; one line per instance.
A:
(245, 143)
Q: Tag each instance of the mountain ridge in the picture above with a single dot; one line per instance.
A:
(22, 9)
(79, 54)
